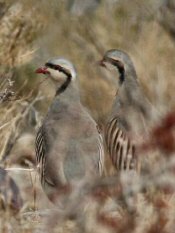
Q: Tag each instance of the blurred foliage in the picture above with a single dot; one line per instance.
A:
(32, 32)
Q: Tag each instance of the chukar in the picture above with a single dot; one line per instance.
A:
(130, 111)
(68, 146)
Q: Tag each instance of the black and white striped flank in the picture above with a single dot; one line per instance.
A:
(40, 153)
(101, 154)
(120, 148)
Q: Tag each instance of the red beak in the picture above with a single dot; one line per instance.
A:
(42, 70)
(101, 63)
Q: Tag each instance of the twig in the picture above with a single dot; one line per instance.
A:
(14, 133)
(4, 125)
(19, 169)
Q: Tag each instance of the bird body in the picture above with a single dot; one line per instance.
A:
(68, 146)
(130, 113)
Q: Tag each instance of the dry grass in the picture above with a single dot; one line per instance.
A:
(34, 31)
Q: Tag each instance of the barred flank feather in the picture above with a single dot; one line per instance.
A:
(120, 148)
(101, 155)
(40, 153)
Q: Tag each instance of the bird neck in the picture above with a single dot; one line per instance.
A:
(68, 90)
(128, 84)
(65, 101)
(130, 95)
(61, 88)
(128, 91)
(121, 77)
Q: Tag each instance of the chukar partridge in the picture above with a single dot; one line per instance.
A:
(130, 111)
(68, 146)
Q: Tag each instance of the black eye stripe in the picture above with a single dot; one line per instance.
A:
(120, 67)
(53, 66)
(117, 63)
(59, 68)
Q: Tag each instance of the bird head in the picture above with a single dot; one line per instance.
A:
(58, 70)
(116, 59)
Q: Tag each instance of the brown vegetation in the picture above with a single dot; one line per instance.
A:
(33, 31)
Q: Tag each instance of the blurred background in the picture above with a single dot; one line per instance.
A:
(31, 32)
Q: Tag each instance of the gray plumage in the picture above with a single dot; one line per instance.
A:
(69, 149)
(130, 113)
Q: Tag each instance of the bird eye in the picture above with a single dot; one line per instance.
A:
(117, 63)
(60, 69)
